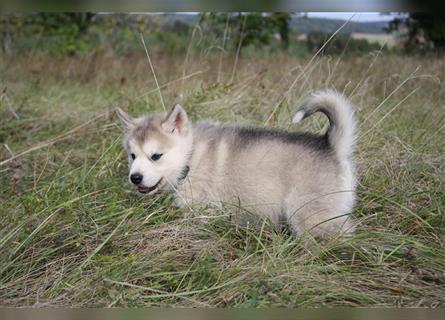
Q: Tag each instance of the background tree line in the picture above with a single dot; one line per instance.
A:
(74, 33)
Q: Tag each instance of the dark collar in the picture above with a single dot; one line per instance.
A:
(184, 173)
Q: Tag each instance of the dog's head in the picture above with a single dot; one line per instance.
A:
(158, 148)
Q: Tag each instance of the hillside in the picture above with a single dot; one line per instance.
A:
(305, 25)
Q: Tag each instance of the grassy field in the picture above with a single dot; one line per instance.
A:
(73, 233)
(382, 39)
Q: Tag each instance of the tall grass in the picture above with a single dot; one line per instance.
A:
(73, 233)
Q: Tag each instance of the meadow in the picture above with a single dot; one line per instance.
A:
(74, 233)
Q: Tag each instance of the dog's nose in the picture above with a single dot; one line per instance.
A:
(136, 178)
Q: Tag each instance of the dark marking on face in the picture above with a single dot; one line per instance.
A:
(150, 128)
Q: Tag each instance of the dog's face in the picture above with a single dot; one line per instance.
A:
(158, 148)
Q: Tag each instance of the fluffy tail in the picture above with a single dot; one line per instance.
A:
(341, 132)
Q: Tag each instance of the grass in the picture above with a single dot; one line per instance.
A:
(73, 234)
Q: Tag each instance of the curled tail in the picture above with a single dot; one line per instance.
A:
(341, 132)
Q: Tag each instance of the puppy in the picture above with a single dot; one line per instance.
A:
(305, 180)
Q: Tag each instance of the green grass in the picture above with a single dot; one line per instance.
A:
(72, 233)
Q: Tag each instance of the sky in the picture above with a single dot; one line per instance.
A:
(359, 16)
(356, 16)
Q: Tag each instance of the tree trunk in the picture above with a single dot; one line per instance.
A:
(6, 35)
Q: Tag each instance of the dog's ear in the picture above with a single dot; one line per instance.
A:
(176, 121)
(127, 121)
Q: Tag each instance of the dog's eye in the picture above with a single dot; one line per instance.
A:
(156, 156)
(133, 156)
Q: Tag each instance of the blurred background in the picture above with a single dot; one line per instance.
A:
(299, 34)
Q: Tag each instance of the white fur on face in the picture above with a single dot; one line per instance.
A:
(142, 164)
(169, 166)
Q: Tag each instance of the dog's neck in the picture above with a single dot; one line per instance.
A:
(184, 173)
(185, 170)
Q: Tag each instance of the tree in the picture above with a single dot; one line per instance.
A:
(251, 28)
(5, 31)
(69, 29)
(281, 21)
(422, 31)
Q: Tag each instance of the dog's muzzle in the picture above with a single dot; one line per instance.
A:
(144, 189)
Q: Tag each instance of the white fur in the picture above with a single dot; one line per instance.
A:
(298, 116)
(342, 137)
(152, 171)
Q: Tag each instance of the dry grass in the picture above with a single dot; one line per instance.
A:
(71, 234)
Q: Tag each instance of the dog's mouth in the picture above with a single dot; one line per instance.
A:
(144, 189)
